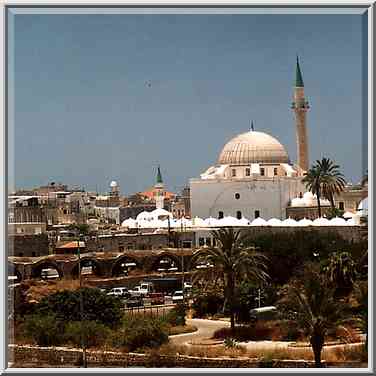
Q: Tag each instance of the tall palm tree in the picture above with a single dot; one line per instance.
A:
(312, 180)
(232, 262)
(314, 309)
(324, 179)
(333, 181)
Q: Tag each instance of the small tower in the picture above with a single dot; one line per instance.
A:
(300, 106)
(159, 191)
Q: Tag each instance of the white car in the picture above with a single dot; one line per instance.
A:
(118, 291)
(177, 296)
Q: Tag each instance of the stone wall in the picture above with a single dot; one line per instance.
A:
(28, 245)
(64, 356)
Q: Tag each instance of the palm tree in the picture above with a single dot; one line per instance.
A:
(232, 262)
(341, 271)
(313, 307)
(333, 181)
(312, 180)
(324, 179)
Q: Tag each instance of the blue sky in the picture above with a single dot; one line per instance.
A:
(109, 97)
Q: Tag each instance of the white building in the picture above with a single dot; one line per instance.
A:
(252, 178)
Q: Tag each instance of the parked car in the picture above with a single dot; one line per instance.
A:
(156, 298)
(119, 291)
(178, 296)
(134, 301)
(263, 313)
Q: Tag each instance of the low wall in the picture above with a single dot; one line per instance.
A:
(59, 356)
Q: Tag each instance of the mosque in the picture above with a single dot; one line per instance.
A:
(254, 176)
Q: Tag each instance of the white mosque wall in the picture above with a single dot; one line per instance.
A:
(269, 196)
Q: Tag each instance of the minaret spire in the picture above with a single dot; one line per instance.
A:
(159, 176)
(298, 79)
(252, 126)
(300, 106)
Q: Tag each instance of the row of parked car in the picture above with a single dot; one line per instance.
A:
(144, 294)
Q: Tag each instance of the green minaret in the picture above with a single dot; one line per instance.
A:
(298, 78)
(159, 176)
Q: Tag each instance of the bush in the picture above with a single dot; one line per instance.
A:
(245, 333)
(140, 332)
(95, 333)
(97, 306)
(44, 330)
(176, 316)
(205, 304)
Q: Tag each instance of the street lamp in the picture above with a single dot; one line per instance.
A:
(83, 342)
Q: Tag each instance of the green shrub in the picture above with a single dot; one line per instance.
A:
(94, 333)
(96, 304)
(209, 303)
(140, 332)
(242, 333)
(176, 316)
(44, 330)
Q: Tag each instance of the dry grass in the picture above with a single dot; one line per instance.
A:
(40, 289)
(180, 329)
(336, 354)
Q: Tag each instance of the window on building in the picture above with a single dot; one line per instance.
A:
(341, 205)
(237, 196)
(275, 171)
(257, 213)
(201, 242)
(300, 195)
(121, 248)
(262, 171)
(233, 172)
(208, 242)
(214, 242)
(33, 254)
(247, 172)
(220, 214)
(239, 214)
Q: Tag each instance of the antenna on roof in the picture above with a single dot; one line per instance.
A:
(252, 126)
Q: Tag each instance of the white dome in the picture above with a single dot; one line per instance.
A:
(113, 184)
(305, 222)
(143, 216)
(253, 147)
(363, 205)
(228, 221)
(259, 222)
(298, 202)
(274, 222)
(348, 215)
(321, 222)
(289, 222)
(338, 222)
(211, 222)
(157, 213)
(129, 222)
(198, 222)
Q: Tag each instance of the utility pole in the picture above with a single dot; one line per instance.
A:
(83, 339)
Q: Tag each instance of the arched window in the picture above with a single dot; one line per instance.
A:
(220, 214)
(257, 213)
(239, 214)
(237, 196)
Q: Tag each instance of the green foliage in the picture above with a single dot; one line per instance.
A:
(340, 271)
(93, 333)
(287, 252)
(207, 303)
(176, 316)
(44, 330)
(97, 306)
(140, 332)
(334, 212)
(81, 228)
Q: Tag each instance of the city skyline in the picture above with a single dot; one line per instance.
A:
(110, 97)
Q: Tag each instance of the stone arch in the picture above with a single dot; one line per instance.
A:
(166, 262)
(119, 267)
(14, 275)
(86, 263)
(36, 271)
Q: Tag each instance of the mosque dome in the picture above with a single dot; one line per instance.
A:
(253, 147)
(113, 184)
